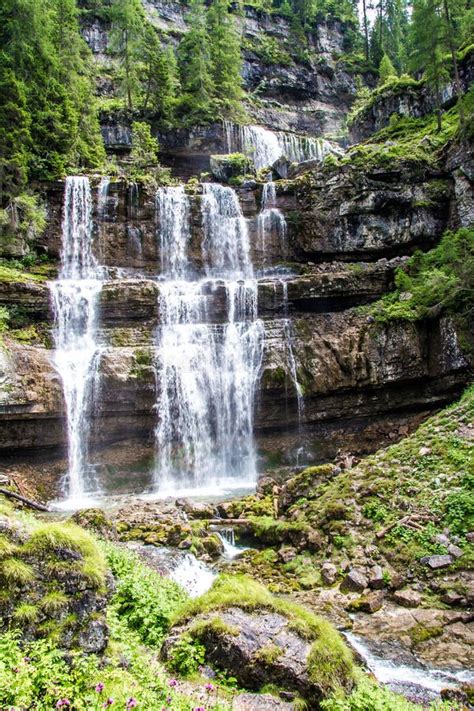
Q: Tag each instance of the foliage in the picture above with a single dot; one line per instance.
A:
(442, 278)
(386, 70)
(187, 655)
(144, 146)
(143, 599)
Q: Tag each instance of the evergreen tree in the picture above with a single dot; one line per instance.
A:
(427, 43)
(160, 76)
(386, 69)
(127, 43)
(225, 55)
(14, 136)
(195, 64)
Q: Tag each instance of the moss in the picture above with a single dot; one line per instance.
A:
(26, 613)
(420, 633)
(268, 654)
(20, 276)
(16, 572)
(216, 626)
(53, 602)
(330, 664)
(49, 537)
(7, 548)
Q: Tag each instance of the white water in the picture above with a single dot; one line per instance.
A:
(271, 221)
(227, 538)
(206, 373)
(265, 147)
(193, 575)
(399, 675)
(76, 357)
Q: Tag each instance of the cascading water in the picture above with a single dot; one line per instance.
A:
(265, 147)
(76, 357)
(206, 372)
(271, 221)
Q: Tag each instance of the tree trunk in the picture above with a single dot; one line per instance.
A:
(457, 80)
(366, 29)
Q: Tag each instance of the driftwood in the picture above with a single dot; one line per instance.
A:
(411, 521)
(28, 502)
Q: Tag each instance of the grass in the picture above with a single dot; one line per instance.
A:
(16, 572)
(13, 274)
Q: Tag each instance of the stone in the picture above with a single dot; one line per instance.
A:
(407, 598)
(196, 509)
(376, 580)
(455, 551)
(470, 536)
(397, 581)
(370, 603)
(329, 573)
(442, 539)
(424, 451)
(287, 553)
(355, 581)
(260, 702)
(314, 540)
(265, 485)
(452, 598)
(436, 562)
(184, 545)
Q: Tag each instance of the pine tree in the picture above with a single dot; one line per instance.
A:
(15, 138)
(386, 69)
(195, 64)
(160, 77)
(127, 43)
(225, 56)
(427, 43)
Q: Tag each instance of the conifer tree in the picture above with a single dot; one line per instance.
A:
(160, 76)
(127, 43)
(225, 55)
(386, 69)
(195, 64)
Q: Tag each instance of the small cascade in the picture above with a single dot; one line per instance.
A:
(193, 575)
(271, 221)
(290, 356)
(206, 373)
(227, 537)
(102, 197)
(76, 357)
(265, 147)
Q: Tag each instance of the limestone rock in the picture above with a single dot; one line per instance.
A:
(455, 551)
(329, 573)
(376, 580)
(407, 598)
(355, 581)
(435, 562)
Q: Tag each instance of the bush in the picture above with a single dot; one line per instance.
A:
(367, 696)
(144, 600)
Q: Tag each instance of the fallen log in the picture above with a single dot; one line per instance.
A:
(229, 521)
(28, 502)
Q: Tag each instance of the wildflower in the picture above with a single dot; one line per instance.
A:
(27, 659)
(173, 682)
(62, 702)
(199, 708)
(209, 687)
(99, 687)
(131, 703)
(107, 703)
(169, 699)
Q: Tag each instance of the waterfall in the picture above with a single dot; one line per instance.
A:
(76, 357)
(265, 147)
(271, 220)
(206, 373)
(290, 356)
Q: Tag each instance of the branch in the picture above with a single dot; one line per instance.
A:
(29, 502)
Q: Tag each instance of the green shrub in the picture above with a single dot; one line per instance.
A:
(187, 655)
(144, 599)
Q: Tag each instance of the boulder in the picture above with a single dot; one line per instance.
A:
(436, 562)
(196, 509)
(370, 603)
(329, 573)
(407, 598)
(286, 553)
(455, 551)
(226, 167)
(355, 581)
(260, 702)
(376, 580)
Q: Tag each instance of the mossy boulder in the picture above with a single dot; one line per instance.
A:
(53, 584)
(97, 521)
(261, 639)
(229, 168)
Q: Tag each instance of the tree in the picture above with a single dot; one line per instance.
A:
(160, 77)
(226, 60)
(386, 69)
(195, 65)
(15, 136)
(127, 42)
(144, 151)
(427, 44)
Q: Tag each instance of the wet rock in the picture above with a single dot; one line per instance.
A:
(407, 598)
(226, 167)
(97, 521)
(355, 581)
(436, 562)
(265, 485)
(329, 573)
(376, 580)
(196, 509)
